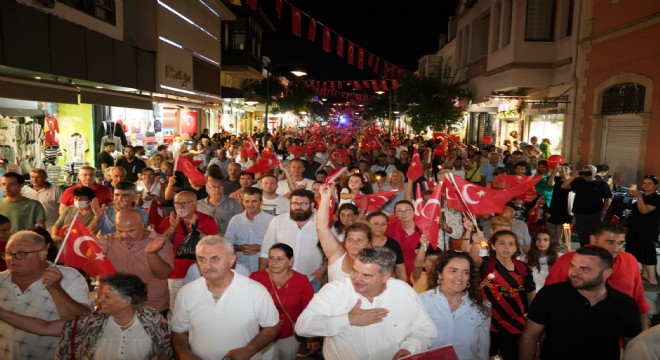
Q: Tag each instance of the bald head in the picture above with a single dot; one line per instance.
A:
(129, 225)
(508, 212)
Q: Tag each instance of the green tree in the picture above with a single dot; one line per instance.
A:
(431, 101)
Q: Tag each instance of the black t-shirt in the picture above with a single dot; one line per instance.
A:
(576, 330)
(105, 158)
(132, 168)
(589, 195)
(394, 246)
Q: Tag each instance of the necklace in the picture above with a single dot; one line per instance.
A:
(124, 327)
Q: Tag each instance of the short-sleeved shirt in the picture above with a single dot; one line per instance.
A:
(589, 195)
(67, 217)
(242, 231)
(221, 213)
(215, 327)
(101, 192)
(35, 301)
(407, 242)
(49, 197)
(133, 169)
(22, 214)
(577, 330)
(105, 158)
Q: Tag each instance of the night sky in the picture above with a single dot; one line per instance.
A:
(398, 31)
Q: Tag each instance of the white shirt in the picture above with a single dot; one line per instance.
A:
(406, 326)
(49, 197)
(335, 271)
(232, 322)
(277, 206)
(283, 185)
(35, 301)
(466, 328)
(303, 241)
(133, 343)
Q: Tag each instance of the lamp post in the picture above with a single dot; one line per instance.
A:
(265, 61)
(389, 109)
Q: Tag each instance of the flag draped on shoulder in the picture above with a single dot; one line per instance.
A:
(80, 250)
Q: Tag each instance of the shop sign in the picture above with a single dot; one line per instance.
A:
(178, 75)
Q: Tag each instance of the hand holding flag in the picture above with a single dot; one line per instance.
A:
(80, 250)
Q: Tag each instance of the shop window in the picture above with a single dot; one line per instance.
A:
(101, 9)
(539, 22)
(624, 98)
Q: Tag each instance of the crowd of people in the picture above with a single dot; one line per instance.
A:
(289, 262)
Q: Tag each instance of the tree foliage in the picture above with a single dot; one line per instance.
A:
(432, 101)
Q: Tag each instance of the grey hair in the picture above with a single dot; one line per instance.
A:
(380, 256)
(214, 240)
(592, 168)
(29, 235)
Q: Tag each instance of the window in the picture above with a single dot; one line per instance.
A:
(624, 98)
(239, 36)
(101, 9)
(539, 23)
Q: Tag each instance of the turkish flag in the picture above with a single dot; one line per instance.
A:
(524, 184)
(374, 85)
(155, 213)
(394, 83)
(278, 8)
(360, 62)
(296, 21)
(80, 250)
(535, 213)
(370, 144)
(383, 85)
(373, 202)
(249, 149)
(415, 170)
(427, 215)
(186, 166)
(357, 86)
(333, 176)
(339, 155)
(370, 61)
(252, 4)
(327, 41)
(311, 34)
(463, 195)
(376, 65)
(265, 163)
(350, 58)
(340, 46)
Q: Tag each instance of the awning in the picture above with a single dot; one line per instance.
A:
(37, 91)
(115, 98)
(549, 93)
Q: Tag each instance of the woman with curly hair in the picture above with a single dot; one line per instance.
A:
(456, 306)
(542, 254)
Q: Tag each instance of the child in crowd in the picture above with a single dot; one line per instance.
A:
(423, 265)
(508, 285)
(356, 185)
(541, 256)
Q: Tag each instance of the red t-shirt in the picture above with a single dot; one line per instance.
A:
(625, 277)
(206, 224)
(101, 192)
(295, 294)
(407, 242)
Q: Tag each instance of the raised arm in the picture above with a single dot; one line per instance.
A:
(332, 248)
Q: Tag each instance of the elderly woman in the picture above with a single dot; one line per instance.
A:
(120, 327)
(456, 306)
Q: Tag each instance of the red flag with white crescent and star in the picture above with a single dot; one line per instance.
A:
(330, 180)
(373, 202)
(427, 215)
(249, 149)
(463, 195)
(265, 163)
(339, 155)
(370, 143)
(415, 170)
(186, 166)
(524, 184)
(80, 250)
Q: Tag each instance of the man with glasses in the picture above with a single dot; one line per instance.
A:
(23, 212)
(403, 230)
(247, 229)
(34, 287)
(87, 177)
(625, 272)
(176, 227)
(592, 198)
(217, 205)
(297, 228)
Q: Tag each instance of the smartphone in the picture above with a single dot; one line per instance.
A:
(584, 173)
(163, 175)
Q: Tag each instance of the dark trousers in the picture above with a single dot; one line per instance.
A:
(585, 225)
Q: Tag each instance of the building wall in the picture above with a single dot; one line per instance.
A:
(618, 48)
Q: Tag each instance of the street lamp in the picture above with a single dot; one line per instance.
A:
(389, 111)
(265, 61)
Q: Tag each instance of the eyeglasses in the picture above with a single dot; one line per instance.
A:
(183, 203)
(403, 211)
(19, 255)
(301, 204)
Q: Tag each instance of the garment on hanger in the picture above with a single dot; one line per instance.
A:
(75, 147)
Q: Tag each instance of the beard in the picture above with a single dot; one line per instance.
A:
(588, 284)
(301, 215)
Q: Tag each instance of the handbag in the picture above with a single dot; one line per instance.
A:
(186, 249)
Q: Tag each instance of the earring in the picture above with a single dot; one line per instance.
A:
(468, 286)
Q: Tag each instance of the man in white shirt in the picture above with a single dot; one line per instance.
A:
(222, 315)
(369, 316)
(47, 194)
(297, 229)
(294, 179)
(382, 165)
(272, 203)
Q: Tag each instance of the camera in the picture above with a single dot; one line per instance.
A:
(584, 173)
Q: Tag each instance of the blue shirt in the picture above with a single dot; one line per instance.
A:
(466, 329)
(107, 224)
(243, 231)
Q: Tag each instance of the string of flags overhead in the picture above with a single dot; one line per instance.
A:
(344, 48)
(335, 87)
